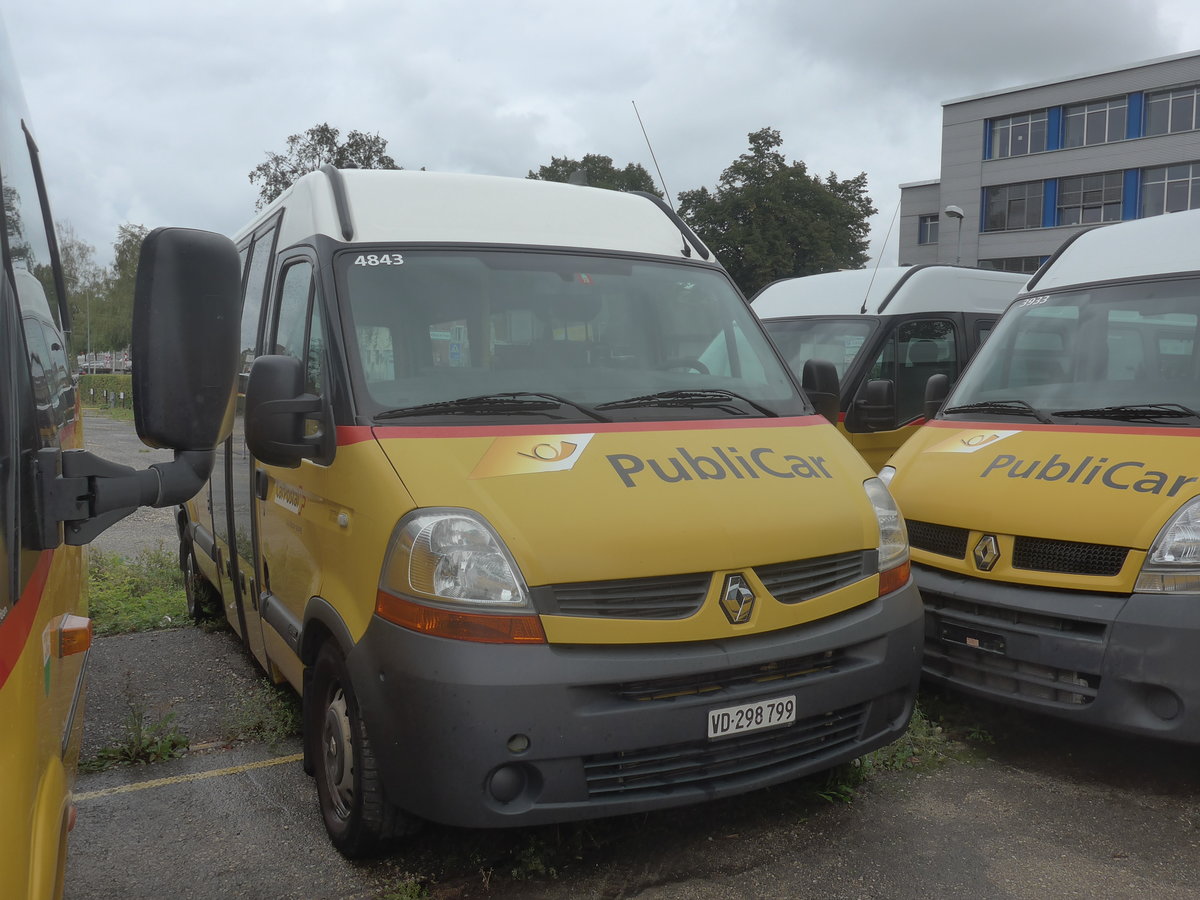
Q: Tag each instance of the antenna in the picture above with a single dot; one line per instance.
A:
(661, 180)
(878, 258)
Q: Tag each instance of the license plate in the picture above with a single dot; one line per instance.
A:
(751, 716)
(973, 638)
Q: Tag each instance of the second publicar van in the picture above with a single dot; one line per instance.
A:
(1054, 502)
(525, 557)
(886, 331)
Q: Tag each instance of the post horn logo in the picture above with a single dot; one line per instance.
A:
(737, 600)
(531, 455)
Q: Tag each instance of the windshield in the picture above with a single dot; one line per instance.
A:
(549, 336)
(838, 340)
(1118, 354)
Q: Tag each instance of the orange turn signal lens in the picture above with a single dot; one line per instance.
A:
(482, 628)
(894, 579)
(74, 635)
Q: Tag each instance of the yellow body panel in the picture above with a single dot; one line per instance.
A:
(877, 447)
(1103, 485)
(576, 506)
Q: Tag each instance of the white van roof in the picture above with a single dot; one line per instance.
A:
(891, 291)
(1157, 245)
(392, 206)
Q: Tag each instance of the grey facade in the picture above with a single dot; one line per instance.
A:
(1031, 165)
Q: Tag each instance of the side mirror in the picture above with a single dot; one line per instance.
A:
(874, 409)
(186, 307)
(819, 379)
(276, 411)
(937, 388)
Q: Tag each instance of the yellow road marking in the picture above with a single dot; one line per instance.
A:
(180, 779)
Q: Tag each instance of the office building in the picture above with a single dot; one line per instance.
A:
(1024, 168)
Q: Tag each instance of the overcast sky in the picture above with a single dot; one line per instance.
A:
(154, 112)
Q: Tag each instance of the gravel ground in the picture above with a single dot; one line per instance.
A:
(144, 529)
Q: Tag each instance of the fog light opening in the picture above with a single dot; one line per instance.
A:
(507, 783)
(1163, 703)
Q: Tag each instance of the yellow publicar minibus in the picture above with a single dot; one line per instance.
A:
(526, 557)
(1053, 503)
(54, 496)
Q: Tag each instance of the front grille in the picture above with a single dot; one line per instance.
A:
(1011, 677)
(1067, 557)
(708, 682)
(1003, 616)
(795, 582)
(708, 764)
(940, 539)
(666, 597)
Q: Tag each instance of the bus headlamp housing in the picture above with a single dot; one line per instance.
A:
(894, 567)
(1173, 562)
(447, 573)
(452, 556)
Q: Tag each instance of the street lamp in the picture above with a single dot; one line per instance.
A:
(956, 213)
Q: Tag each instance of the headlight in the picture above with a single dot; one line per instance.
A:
(448, 574)
(893, 536)
(886, 474)
(452, 556)
(1173, 563)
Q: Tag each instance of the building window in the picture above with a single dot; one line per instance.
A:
(1094, 123)
(1088, 199)
(1026, 265)
(1018, 135)
(1168, 112)
(1013, 206)
(928, 233)
(1170, 189)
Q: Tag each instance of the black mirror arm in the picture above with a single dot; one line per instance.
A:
(81, 495)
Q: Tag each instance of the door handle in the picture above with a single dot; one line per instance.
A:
(260, 484)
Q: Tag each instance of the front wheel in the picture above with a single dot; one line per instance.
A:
(357, 816)
(203, 601)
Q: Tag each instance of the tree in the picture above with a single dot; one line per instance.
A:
(314, 148)
(597, 171)
(112, 315)
(770, 219)
(85, 281)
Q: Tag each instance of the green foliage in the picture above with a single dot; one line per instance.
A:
(924, 744)
(269, 713)
(96, 390)
(135, 595)
(597, 171)
(144, 742)
(314, 148)
(409, 888)
(101, 298)
(770, 219)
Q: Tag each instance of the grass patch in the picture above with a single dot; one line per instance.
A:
(138, 594)
(269, 713)
(146, 740)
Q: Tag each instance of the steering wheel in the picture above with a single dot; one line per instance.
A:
(685, 362)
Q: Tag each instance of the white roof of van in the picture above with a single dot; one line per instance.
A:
(1157, 245)
(391, 206)
(891, 291)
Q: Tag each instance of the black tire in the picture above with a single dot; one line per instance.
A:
(203, 600)
(357, 816)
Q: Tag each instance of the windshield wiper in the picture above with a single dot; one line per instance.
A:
(493, 404)
(1133, 412)
(1012, 407)
(717, 398)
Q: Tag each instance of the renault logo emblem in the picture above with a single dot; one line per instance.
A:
(737, 600)
(987, 553)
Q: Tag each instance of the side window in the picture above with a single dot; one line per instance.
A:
(298, 328)
(917, 350)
